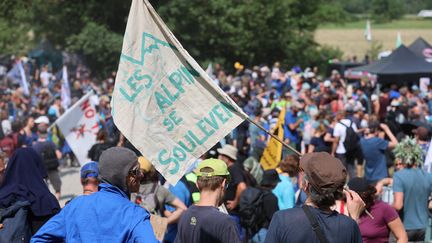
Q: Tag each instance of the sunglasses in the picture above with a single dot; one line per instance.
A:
(89, 173)
(135, 171)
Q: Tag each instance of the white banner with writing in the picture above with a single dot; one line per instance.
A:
(164, 103)
(79, 127)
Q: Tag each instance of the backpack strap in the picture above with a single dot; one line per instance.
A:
(344, 124)
(153, 191)
(314, 223)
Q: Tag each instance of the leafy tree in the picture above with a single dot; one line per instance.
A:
(101, 46)
(89, 27)
(386, 10)
(333, 12)
(250, 31)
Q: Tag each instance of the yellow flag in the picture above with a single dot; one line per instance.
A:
(273, 152)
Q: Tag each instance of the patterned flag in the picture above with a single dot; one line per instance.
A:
(79, 127)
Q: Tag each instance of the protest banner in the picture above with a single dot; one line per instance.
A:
(273, 152)
(79, 127)
(163, 102)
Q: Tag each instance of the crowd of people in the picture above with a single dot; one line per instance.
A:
(362, 174)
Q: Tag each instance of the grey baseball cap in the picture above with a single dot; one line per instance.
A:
(114, 165)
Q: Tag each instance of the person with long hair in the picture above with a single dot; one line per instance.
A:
(385, 218)
(318, 142)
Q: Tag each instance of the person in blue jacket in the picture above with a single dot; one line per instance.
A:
(107, 215)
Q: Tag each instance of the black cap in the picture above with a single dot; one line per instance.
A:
(358, 184)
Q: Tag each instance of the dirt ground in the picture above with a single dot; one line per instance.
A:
(352, 41)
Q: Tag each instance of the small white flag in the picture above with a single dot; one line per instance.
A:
(65, 89)
(398, 40)
(368, 32)
(79, 127)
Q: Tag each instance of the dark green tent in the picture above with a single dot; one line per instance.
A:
(45, 53)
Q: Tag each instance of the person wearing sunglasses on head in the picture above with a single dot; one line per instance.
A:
(203, 222)
(106, 215)
(89, 178)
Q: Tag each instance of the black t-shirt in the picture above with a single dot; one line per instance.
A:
(292, 225)
(206, 224)
(96, 150)
(320, 144)
(237, 176)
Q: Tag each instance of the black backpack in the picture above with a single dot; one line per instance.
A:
(49, 157)
(251, 210)
(352, 140)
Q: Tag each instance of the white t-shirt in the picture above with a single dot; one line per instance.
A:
(340, 131)
(45, 78)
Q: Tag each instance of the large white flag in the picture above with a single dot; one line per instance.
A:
(79, 127)
(163, 101)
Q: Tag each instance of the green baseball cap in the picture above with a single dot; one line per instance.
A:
(217, 168)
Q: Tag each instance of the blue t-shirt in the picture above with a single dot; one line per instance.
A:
(416, 186)
(292, 135)
(292, 225)
(374, 153)
(284, 192)
(181, 191)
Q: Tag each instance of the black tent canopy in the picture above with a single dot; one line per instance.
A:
(421, 48)
(401, 66)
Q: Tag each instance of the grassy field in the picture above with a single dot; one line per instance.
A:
(350, 36)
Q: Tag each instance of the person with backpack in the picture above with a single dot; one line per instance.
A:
(257, 206)
(324, 178)
(153, 197)
(203, 222)
(50, 156)
(346, 144)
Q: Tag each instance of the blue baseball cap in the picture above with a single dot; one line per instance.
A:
(90, 170)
